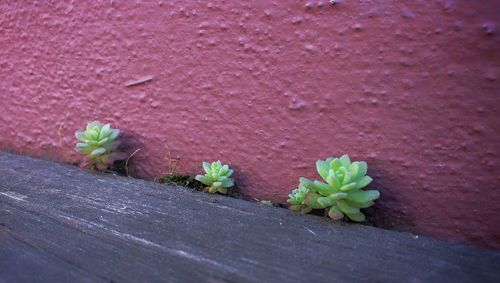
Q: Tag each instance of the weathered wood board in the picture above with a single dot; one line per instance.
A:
(59, 223)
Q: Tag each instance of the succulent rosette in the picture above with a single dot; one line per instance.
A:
(341, 193)
(297, 199)
(100, 146)
(216, 178)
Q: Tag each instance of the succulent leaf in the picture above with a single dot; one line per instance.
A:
(335, 164)
(224, 169)
(363, 182)
(306, 183)
(228, 183)
(363, 168)
(323, 189)
(359, 204)
(346, 208)
(207, 168)
(113, 134)
(104, 131)
(354, 169)
(348, 187)
(204, 179)
(363, 196)
(93, 125)
(335, 213)
(331, 199)
(102, 141)
(358, 216)
(98, 151)
(80, 135)
(322, 168)
(346, 162)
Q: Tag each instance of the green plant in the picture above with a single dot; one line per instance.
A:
(341, 193)
(216, 177)
(100, 145)
(297, 199)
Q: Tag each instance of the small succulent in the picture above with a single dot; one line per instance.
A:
(342, 193)
(216, 177)
(297, 199)
(100, 145)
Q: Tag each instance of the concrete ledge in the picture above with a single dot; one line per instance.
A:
(62, 224)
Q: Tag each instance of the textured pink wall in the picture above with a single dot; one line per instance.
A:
(412, 87)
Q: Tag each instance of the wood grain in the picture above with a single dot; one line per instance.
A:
(59, 223)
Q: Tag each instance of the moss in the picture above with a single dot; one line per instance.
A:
(189, 181)
(182, 181)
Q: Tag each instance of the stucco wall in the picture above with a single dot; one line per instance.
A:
(269, 87)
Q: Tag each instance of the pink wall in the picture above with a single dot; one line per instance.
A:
(412, 87)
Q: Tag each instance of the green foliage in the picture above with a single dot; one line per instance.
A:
(341, 192)
(216, 177)
(99, 144)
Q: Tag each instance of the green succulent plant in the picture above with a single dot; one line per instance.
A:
(297, 198)
(341, 192)
(100, 145)
(216, 177)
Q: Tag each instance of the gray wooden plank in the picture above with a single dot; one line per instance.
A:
(23, 262)
(130, 230)
(111, 255)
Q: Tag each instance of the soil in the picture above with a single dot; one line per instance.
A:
(118, 168)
